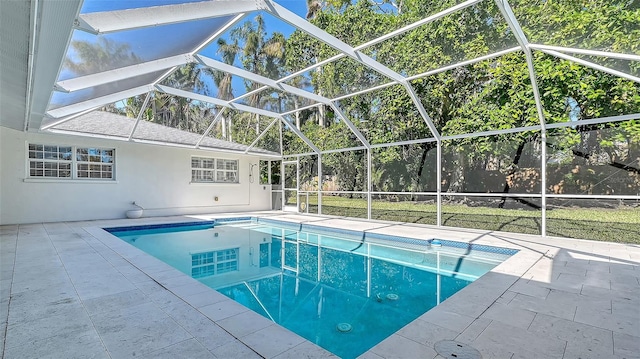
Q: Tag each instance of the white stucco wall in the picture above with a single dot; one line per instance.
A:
(155, 176)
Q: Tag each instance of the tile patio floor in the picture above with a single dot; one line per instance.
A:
(71, 290)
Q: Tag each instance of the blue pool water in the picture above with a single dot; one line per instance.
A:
(343, 290)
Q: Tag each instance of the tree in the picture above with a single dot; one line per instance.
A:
(179, 112)
(224, 81)
(262, 55)
(493, 94)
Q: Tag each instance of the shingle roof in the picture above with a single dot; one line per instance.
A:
(114, 125)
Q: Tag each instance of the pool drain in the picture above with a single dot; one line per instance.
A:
(344, 327)
(457, 350)
(392, 296)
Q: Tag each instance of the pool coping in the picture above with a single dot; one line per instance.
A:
(462, 309)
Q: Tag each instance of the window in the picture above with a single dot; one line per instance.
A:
(94, 163)
(212, 170)
(206, 264)
(68, 162)
(50, 161)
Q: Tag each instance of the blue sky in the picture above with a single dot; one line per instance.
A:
(157, 42)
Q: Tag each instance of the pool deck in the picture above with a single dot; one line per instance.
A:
(71, 290)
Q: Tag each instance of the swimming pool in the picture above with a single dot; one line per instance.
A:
(343, 290)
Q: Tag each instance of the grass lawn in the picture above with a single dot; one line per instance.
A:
(614, 225)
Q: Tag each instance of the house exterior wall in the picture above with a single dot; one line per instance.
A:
(156, 177)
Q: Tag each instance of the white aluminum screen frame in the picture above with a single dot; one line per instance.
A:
(113, 21)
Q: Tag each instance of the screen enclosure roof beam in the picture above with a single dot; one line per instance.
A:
(219, 116)
(97, 102)
(122, 73)
(514, 25)
(119, 20)
(214, 64)
(215, 101)
(304, 138)
(572, 50)
(591, 65)
(330, 40)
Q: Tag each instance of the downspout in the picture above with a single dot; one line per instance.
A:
(32, 49)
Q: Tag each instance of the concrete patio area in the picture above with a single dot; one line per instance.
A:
(72, 290)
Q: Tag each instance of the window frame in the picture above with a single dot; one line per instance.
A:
(74, 163)
(43, 160)
(214, 171)
(90, 163)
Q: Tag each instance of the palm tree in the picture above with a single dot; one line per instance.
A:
(228, 51)
(180, 112)
(260, 55)
(223, 80)
(105, 54)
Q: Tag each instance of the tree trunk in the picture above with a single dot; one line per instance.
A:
(296, 105)
(423, 160)
(516, 160)
(224, 128)
(457, 178)
(321, 114)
